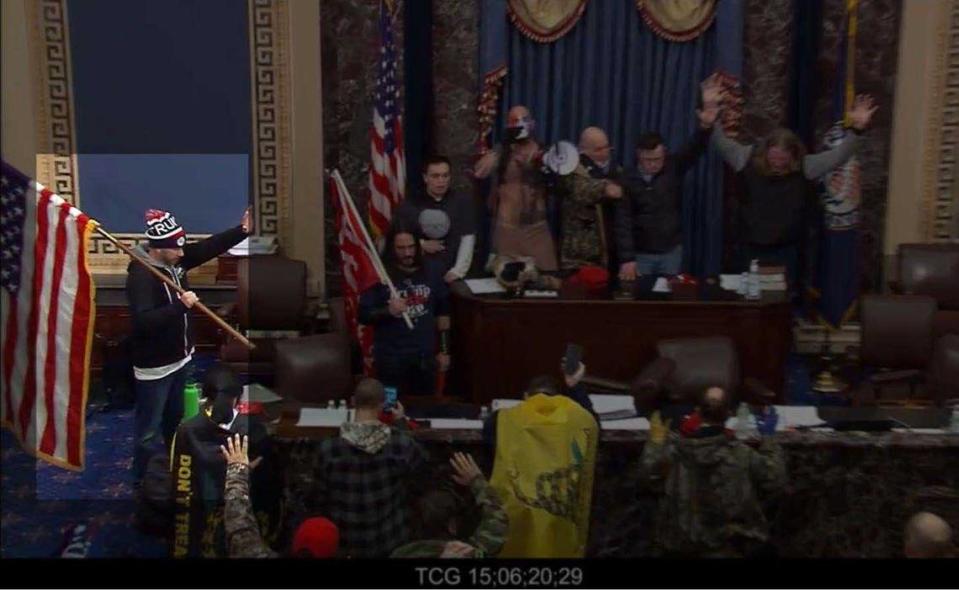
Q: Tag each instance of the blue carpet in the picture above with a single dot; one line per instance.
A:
(41, 503)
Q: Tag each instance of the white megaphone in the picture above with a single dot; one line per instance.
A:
(561, 158)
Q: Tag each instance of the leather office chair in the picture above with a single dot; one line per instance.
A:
(897, 339)
(318, 368)
(685, 367)
(933, 270)
(314, 369)
(271, 305)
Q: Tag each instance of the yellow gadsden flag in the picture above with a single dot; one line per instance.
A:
(545, 457)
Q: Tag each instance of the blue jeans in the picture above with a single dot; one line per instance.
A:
(159, 409)
(667, 263)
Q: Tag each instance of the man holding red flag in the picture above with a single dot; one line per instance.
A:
(406, 358)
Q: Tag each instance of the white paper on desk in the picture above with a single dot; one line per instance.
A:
(254, 245)
(662, 286)
(323, 417)
(629, 424)
(257, 393)
(789, 417)
(731, 282)
(484, 286)
(920, 430)
(604, 404)
(502, 404)
(793, 416)
(455, 424)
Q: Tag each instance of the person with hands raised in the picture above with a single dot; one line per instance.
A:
(317, 537)
(442, 518)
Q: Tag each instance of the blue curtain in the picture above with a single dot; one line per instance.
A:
(612, 71)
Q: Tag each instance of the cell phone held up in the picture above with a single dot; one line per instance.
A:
(389, 404)
(573, 357)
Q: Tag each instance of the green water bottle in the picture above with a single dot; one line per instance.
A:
(191, 400)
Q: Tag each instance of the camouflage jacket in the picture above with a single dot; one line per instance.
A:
(583, 240)
(243, 537)
(712, 488)
(490, 533)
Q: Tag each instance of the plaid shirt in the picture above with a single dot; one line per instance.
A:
(365, 494)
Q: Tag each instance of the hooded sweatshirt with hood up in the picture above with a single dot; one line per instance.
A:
(360, 481)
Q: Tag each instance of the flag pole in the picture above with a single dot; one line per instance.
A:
(169, 282)
(368, 243)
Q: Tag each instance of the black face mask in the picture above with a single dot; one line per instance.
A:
(513, 133)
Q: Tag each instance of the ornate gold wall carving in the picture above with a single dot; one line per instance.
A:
(269, 59)
(939, 192)
(53, 92)
(56, 129)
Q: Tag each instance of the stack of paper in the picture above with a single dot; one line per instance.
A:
(772, 282)
(789, 417)
(323, 417)
(484, 286)
(255, 245)
(455, 424)
(638, 423)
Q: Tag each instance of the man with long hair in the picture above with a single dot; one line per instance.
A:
(408, 358)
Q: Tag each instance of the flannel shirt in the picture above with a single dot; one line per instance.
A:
(365, 494)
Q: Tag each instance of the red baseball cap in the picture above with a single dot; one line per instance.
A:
(317, 537)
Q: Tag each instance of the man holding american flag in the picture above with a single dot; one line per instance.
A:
(162, 341)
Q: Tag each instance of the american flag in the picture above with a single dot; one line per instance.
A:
(387, 164)
(359, 273)
(47, 319)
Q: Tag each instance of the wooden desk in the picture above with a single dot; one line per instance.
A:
(848, 494)
(499, 344)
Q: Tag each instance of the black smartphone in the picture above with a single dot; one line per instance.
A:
(574, 356)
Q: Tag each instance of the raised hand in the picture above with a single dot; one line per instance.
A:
(235, 450)
(862, 111)
(465, 469)
(712, 91)
(658, 429)
(708, 115)
(247, 221)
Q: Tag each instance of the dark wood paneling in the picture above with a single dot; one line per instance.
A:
(499, 344)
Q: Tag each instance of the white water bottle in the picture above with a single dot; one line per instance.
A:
(954, 422)
(753, 289)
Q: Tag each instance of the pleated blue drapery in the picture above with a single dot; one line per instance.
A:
(612, 71)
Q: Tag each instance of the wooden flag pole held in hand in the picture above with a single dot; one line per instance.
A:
(169, 282)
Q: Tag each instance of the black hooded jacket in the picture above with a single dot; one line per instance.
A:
(162, 334)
